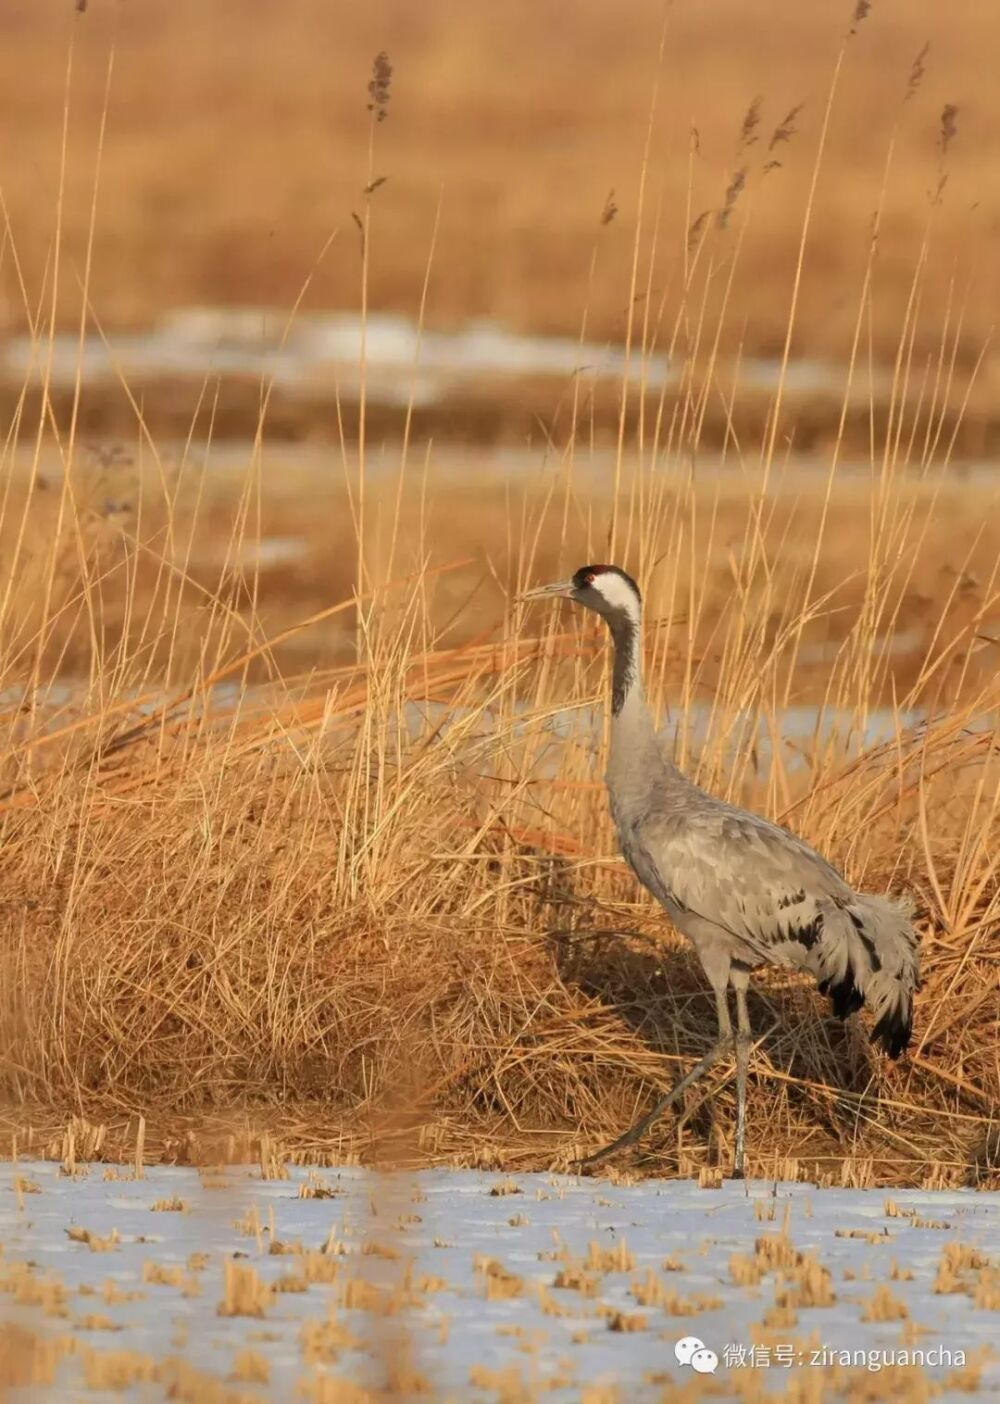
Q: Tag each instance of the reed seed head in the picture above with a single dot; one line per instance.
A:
(750, 123)
(733, 191)
(861, 12)
(379, 85)
(786, 128)
(949, 127)
(917, 71)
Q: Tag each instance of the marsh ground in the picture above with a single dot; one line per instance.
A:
(296, 821)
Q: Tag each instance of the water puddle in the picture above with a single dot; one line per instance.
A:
(322, 351)
(796, 732)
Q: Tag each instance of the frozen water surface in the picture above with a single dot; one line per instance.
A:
(486, 1286)
(318, 349)
(403, 360)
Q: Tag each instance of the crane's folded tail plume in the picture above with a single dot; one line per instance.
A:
(867, 954)
(890, 989)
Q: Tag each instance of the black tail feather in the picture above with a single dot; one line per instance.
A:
(845, 996)
(869, 955)
(894, 1029)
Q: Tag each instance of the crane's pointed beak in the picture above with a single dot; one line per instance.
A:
(560, 589)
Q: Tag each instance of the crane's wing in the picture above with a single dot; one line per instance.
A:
(781, 903)
(757, 881)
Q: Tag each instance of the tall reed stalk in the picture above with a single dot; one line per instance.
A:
(272, 844)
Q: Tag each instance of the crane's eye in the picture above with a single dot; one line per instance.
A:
(589, 578)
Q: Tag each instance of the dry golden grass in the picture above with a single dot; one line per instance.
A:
(177, 581)
(325, 842)
(285, 894)
(220, 900)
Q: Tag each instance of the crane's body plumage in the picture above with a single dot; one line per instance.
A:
(746, 892)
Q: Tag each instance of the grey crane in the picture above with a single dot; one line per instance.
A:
(744, 891)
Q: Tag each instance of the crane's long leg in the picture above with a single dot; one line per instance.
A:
(636, 1132)
(742, 1063)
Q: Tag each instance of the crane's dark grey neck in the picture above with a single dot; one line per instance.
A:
(638, 768)
(627, 673)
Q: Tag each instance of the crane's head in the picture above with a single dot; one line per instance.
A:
(602, 588)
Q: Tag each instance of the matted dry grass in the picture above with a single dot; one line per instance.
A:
(385, 900)
(326, 842)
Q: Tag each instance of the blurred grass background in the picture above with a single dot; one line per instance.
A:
(238, 140)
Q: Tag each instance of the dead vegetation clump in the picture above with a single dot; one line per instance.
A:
(964, 1269)
(328, 843)
(574, 1278)
(244, 1293)
(627, 1321)
(500, 1283)
(97, 1243)
(616, 1259)
(445, 902)
(883, 1306)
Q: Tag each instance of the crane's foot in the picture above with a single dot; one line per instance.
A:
(635, 1133)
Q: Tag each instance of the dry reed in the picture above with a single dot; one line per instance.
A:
(369, 890)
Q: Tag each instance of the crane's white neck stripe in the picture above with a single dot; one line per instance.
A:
(618, 593)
